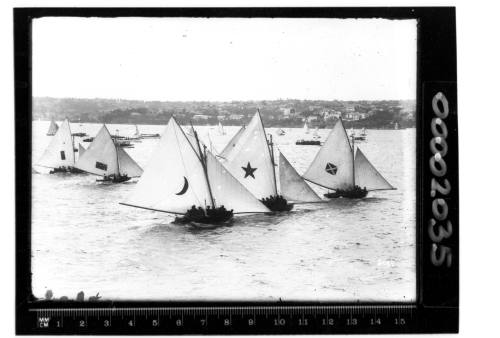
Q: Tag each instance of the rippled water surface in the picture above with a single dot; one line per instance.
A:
(82, 239)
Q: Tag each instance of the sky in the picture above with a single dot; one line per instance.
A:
(224, 59)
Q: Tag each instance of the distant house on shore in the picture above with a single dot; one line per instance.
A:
(236, 116)
(199, 117)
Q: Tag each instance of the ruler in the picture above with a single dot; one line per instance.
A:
(226, 319)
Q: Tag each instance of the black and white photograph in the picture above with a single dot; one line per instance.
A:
(222, 159)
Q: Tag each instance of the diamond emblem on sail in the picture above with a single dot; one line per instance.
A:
(331, 169)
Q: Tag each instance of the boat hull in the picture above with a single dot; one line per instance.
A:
(114, 179)
(355, 192)
(308, 143)
(209, 216)
(277, 203)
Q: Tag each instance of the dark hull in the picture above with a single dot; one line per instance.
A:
(66, 170)
(114, 179)
(355, 192)
(209, 216)
(308, 143)
(277, 203)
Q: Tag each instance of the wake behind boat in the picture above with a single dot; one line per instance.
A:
(105, 158)
(184, 178)
(342, 168)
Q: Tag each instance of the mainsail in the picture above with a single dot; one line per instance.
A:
(175, 180)
(367, 176)
(60, 152)
(306, 128)
(52, 128)
(81, 150)
(100, 158)
(333, 165)
(292, 186)
(231, 144)
(249, 160)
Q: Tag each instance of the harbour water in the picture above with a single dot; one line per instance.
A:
(343, 250)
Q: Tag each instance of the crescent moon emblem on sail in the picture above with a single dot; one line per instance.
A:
(184, 188)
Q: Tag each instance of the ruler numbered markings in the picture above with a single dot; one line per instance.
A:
(354, 318)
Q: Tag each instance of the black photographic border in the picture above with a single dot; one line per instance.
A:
(436, 308)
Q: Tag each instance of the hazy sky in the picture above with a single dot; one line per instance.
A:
(186, 59)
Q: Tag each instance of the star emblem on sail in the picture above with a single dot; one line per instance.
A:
(177, 160)
(104, 157)
(336, 167)
(60, 152)
(249, 171)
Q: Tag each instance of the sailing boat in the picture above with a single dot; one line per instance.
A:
(346, 170)
(60, 155)
(52, 128)
(221, 129)
(250, 158)
(280, 132)
(306, 128)
(292, 185)
(105, 158)
(184, 179)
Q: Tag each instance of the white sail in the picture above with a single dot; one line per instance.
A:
(52, 128)
(228, 191)
(174, 179)
(81, 150)
(231, 144)
(221, 129)
(137, 132)
(292, 186)
(127, 165)
(60, 152)
(249, 160)
(306, 128)
(333, 165)
(100, 158)
(367, 176)
(315, 133)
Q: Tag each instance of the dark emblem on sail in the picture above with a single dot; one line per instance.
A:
(331, 169)
(249, 170)
(63, 155)
(101, 166)
(184, 188)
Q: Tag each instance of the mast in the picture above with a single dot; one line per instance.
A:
(353, 166)
(272, 161)
(203, 161)
(271, 156)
